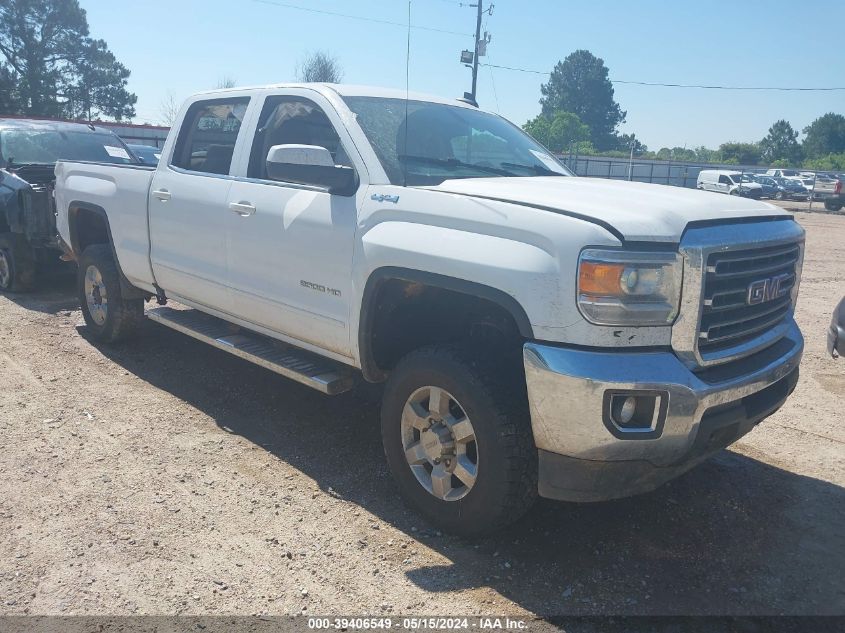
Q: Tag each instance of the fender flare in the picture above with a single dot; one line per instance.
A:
(498, 297)
(127, 289)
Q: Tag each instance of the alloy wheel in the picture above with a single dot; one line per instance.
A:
(439, 443)
(96, 296)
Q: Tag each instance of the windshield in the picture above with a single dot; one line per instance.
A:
(438, 142)
(41, 146)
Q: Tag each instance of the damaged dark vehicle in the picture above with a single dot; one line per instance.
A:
(29, 150)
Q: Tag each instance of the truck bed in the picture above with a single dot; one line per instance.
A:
(123, 192)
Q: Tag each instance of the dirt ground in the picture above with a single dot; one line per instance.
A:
(165, 477)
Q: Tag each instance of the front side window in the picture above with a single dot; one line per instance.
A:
(292, 121)
(46, 146)
(208, 135)
(723, 180)
(424, 143)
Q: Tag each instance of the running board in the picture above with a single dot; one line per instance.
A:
(309, 369)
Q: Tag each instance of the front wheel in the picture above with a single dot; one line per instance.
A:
(17, 263)
(107, 314)
(832, 206)
(780, 196)
(458, 441)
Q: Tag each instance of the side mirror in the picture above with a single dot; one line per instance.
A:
(310, 165)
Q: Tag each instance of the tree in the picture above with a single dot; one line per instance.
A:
(781, 143)
(677, 153)
(319, 67)
(739, 153)
(559, 131)
(169, 110)
(9, 101)
(99, 86)
(825, 135)
(705, 154)
(57, 68)
(625, 141)
(226, 82)
(580, 84)
(831, 162)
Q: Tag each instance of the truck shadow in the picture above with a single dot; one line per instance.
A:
(55, 292)
(734, 536)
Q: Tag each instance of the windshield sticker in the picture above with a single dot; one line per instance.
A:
(548, 161)
(117, 152)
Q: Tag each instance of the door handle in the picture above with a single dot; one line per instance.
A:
(243, 209)
(162, 194)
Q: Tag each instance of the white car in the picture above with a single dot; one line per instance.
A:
(789, 174)
(538, 333)
(730, 182)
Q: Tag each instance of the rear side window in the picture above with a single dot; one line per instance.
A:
(292, 121)
(209, 132)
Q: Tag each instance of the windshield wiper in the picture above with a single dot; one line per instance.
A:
(536, 167)
(454, 163)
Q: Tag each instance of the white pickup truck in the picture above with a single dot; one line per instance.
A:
(538, 333)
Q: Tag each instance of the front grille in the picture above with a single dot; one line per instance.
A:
(727, 319)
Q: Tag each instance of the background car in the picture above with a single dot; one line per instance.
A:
(791, 174)
(769, 185)
(789, 189)
(29, 150)
(147, 154)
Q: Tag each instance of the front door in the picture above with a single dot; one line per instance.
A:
(290, 246)
(188, 212)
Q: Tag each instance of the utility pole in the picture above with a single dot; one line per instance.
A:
(475, 57)
(470, 58)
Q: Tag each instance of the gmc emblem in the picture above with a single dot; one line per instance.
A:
(764, 290)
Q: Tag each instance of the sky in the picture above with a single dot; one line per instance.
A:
(178, 47)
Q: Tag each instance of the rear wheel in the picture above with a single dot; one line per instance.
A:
(107, 314)
(780, 196)
(17, 263)
(458, 441)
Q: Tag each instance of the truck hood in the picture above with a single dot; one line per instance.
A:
(637, 211)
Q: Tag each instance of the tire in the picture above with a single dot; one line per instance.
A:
(735, 192)
(17, 263)
(780, 196)
(505, 458)
(832, 206)
(109, 317)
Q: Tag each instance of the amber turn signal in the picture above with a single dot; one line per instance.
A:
(600, 279)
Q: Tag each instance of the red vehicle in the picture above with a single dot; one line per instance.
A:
(837, 200)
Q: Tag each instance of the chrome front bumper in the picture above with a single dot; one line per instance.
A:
(583, 459)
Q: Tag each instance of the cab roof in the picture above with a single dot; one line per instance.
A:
(349, 90)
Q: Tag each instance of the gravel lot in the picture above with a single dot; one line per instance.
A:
(165, 477)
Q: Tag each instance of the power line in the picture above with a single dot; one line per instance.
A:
(668, 85)
(362, 18)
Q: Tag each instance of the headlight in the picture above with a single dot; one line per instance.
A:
(629, 288)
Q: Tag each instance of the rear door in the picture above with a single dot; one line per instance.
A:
(290, 245)
(188, 203)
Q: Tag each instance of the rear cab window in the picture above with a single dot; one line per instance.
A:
(209, 132)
